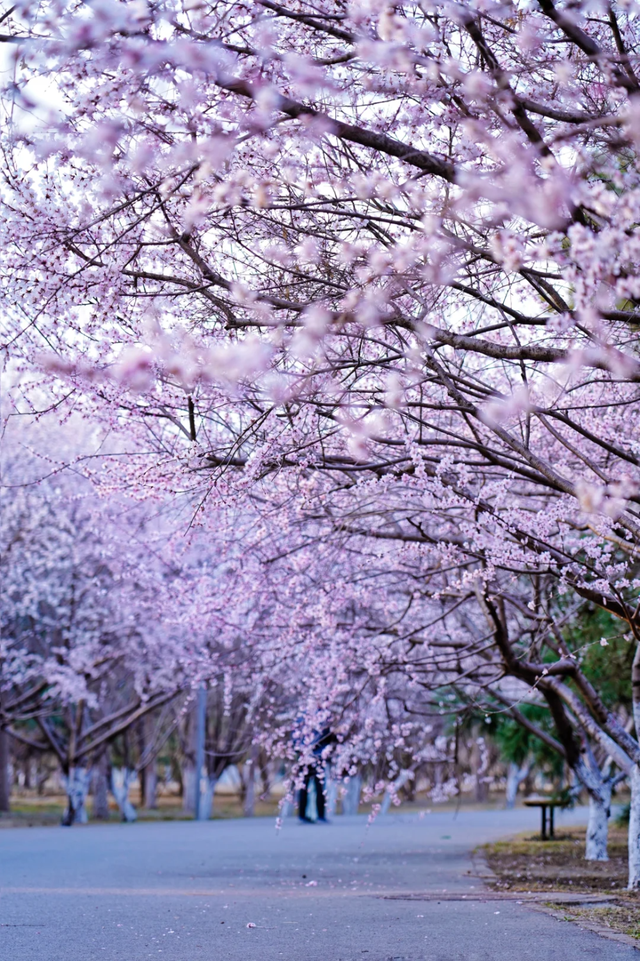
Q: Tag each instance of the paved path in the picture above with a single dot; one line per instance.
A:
(239, 891)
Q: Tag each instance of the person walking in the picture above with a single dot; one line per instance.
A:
(315, 773)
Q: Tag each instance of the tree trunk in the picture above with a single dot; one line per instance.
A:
(189, 787)
(5, 785)
(478, 769)
(101, 789)
(42, 777)
(207, 799)
(150, 781)
(351, 800)
(389, 795)
(515, 776)
(190, 782)
(147, 774)
(598, 825)
(599, 791)
(76, 784)
(634, 830)
(121, 779)
(249, 780)
(265, 767)
(331, 789)
(249, 806)
(176, 774)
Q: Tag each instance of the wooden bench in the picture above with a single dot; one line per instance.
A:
(543, 803)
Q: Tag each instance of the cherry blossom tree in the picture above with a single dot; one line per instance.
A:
(366, 271)
(80, 654)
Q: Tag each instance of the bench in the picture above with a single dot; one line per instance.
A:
(543, 803)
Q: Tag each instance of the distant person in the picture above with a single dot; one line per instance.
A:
(321, 741)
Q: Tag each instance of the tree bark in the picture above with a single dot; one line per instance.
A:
(189, 789)
(5, 785)
(599, 791)
(151, 786)
(515, 776)
(121, 779)
(207, 799)
(42, 775)
(598, 825)
(634, 830)
(76, 785)
(331, 788)
(147, 774)
(190, 781)
(265, 767)
(249, 781)
(478, 769)
(351, 800)
(101, 788)
(399, 783)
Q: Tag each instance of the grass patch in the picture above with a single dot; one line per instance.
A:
(621, 918)
(46, 811)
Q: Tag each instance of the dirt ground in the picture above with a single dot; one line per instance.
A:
(528, 864)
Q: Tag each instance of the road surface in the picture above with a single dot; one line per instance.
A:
(241, 891)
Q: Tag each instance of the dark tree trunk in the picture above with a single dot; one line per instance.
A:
(148, 776)
(150, 785)
(176, 775)
(265, 774)
(101, 788)
(5, 785)
(42, 776)
(189, 776)
(77, 787)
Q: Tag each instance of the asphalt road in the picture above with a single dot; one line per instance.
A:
(241, 891)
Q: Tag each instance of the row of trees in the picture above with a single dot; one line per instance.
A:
(89, 665)
(134, 767)
(358, 285)
(85, 681)
(111, 629)
(82, 626)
